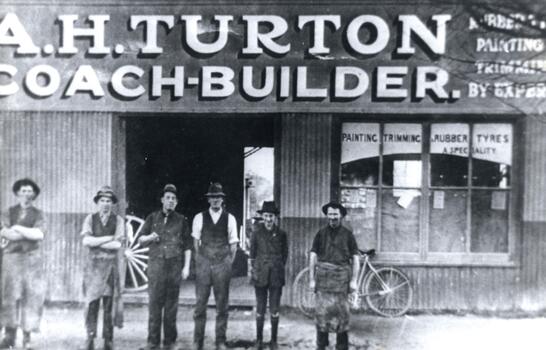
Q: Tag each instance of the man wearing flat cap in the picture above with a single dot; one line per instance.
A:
(214, 232)
(268, 254)
(23, 227)
(103, 234)
(167, 234)
(334, 265)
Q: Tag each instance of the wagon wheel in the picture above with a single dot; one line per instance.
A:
(136, 279)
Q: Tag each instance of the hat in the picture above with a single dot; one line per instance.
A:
(105, 191)
(269, 207)
(334, 205)
(26, 182)
(169, 188)
(215, 190)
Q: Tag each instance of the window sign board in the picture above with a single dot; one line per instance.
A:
(402, 139)
(359, 141)
(450, 139)
(493, 142)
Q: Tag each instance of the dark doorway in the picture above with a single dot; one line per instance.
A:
(190, 152)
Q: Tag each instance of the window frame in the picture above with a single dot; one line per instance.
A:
(425, 257)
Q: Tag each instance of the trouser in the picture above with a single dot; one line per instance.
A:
(91, 317)
(342, 340)
(217, 277)
(164, 276)
(22, 287)
(262, 294)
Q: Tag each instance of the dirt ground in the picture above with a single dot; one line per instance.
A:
(62, 328)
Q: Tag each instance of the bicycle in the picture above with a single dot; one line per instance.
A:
(387, 290)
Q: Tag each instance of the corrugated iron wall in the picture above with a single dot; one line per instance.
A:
(69, 156)
(533, 247)
(305, 173)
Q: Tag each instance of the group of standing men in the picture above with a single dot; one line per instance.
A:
(212, 237)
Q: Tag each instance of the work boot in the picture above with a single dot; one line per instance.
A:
(259, 333)
(27, 343)
(108, 344)
(274, 330)
(342, 341)
(322, 340)
(9, 338)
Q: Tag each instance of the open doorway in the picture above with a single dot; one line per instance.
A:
(190, 152)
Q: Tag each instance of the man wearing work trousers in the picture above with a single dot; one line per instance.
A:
(103, 234)
(22, 273)
(334, 265)
(167, 234)
(215, 241)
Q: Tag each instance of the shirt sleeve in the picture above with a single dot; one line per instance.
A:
(253, 242)
(119, 235)
(4, 219)
(147, 226)
(232, 230)
(86, 228)
(284, 248)
(196, 226)
(315, 247)
(353, 247)
(186, 235)
(40, 222)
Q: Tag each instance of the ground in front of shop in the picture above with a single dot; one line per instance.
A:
(62, 328)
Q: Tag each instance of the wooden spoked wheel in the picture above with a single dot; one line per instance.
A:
(136, 256)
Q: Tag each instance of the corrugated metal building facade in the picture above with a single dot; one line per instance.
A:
(72, 153)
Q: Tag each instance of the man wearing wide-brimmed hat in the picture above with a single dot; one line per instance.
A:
(23, 226)
(103, 234)
(167, 234)
(268, 254)
(215, 240)
(334, 265)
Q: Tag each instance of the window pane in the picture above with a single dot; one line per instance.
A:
(361, 204)
(359, 154)
(489, 221)
(492, 155)
(449, 144)
(447, 229)
(402, 145)
(400, 221)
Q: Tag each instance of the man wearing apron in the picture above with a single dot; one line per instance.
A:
(268, 254)
(215, 241)
(167, 234)
(22, 272)
(103, 234)
(334, 265)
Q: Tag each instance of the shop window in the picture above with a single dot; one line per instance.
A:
(430, 192)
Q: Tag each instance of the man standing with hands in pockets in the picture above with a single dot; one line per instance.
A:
(215, 241)
(167, 234)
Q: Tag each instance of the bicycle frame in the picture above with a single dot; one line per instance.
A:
(365, 268)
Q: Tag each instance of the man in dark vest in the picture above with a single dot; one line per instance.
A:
(334, 265)
(22, 272)
(215, 238)
(167, 234)
(268, 254)
(103, 234)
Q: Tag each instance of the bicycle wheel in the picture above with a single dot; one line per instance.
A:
(388, 292)
(303, 295)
